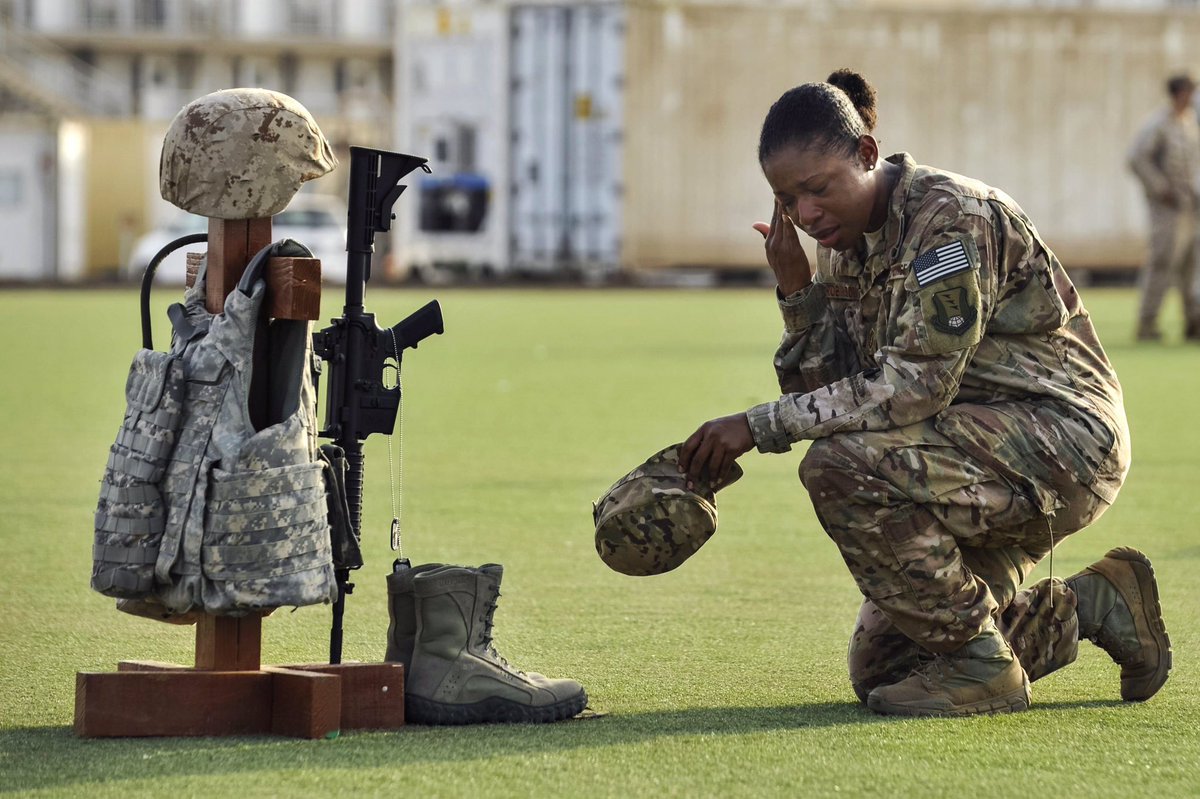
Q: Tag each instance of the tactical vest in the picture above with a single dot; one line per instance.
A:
(199, 509)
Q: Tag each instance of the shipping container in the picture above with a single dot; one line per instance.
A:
(589, 137)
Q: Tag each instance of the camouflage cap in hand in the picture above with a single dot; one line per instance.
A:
(650, 522)
(241, 154)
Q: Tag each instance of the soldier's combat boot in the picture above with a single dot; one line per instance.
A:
(1147, 330)
(1119, 612)
(981, 677)
(402, 612)
(457, 676)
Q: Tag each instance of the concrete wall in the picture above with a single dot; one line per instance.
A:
(1039, 103)
(116, 181)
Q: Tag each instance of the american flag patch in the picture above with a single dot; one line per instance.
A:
(941, 262)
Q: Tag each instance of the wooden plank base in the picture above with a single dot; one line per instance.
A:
(372, 693)
(183, 702)
(305, 704)
(150, 699)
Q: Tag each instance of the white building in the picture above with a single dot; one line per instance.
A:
(87, 88)
(591, 136)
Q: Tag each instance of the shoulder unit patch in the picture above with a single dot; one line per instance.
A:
(941, 262)
(954, 313)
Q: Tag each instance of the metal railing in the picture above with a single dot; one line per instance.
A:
(317, 19)
(51, 76)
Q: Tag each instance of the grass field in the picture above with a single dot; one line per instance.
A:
(726, 677)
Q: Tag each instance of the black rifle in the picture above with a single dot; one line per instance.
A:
(358, 351)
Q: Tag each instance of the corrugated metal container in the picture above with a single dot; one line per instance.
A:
(520, 110)
(626, 134)
(565, 135)
(452, 90)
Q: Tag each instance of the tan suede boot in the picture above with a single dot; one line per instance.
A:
(402, 612)
(457, 676)
(981, 677)
(1119, 611)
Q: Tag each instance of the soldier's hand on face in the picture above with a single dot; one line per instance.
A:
(785, 256)
(712, 449)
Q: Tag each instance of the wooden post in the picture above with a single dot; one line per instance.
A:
(224, 643)
(235, 643)
(231, 245)
(293, 284)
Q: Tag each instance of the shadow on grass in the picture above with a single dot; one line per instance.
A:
(52, 757)
(1083, 704)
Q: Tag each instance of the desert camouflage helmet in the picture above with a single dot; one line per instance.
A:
(650, 522)
(241, 154)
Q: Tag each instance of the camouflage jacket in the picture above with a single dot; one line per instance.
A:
(1166, 155)
(959, 302)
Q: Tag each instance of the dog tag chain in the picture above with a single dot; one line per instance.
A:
(396, 467)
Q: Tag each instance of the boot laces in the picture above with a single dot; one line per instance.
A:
(1114, 646)
(1110, 641)
(934, 671)
(485, 634)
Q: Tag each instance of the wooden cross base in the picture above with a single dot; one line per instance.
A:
(226, 694)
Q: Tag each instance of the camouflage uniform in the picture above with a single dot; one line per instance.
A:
(650, 521)
(964, 419)
(1166, 156)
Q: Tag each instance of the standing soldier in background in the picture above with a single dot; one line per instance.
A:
(1166, 159)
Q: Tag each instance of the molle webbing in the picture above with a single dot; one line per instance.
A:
(200, 510)
(130, 514)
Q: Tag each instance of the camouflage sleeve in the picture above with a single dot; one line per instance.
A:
(815, 350)
(1144, 161)
(939, 303)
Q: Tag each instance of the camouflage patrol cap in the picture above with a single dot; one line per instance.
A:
(241, 154)
(650, 522)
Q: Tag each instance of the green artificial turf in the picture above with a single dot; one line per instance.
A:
(726, 677)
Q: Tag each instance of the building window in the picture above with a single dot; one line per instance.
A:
(100, 14)
(307, 17)
(289, 68)
(150, 14)
(200, 16)
(11, 188)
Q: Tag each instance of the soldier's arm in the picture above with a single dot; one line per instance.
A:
(936, 322)
(816, 350)
(1143, 160)
(815, 346)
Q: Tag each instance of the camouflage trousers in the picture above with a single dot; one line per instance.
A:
(940, 522)
(1171, 259)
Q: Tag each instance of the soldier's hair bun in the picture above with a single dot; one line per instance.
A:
(860, 92)
(831, 116)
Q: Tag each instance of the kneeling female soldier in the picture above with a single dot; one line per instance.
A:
(964, 419)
